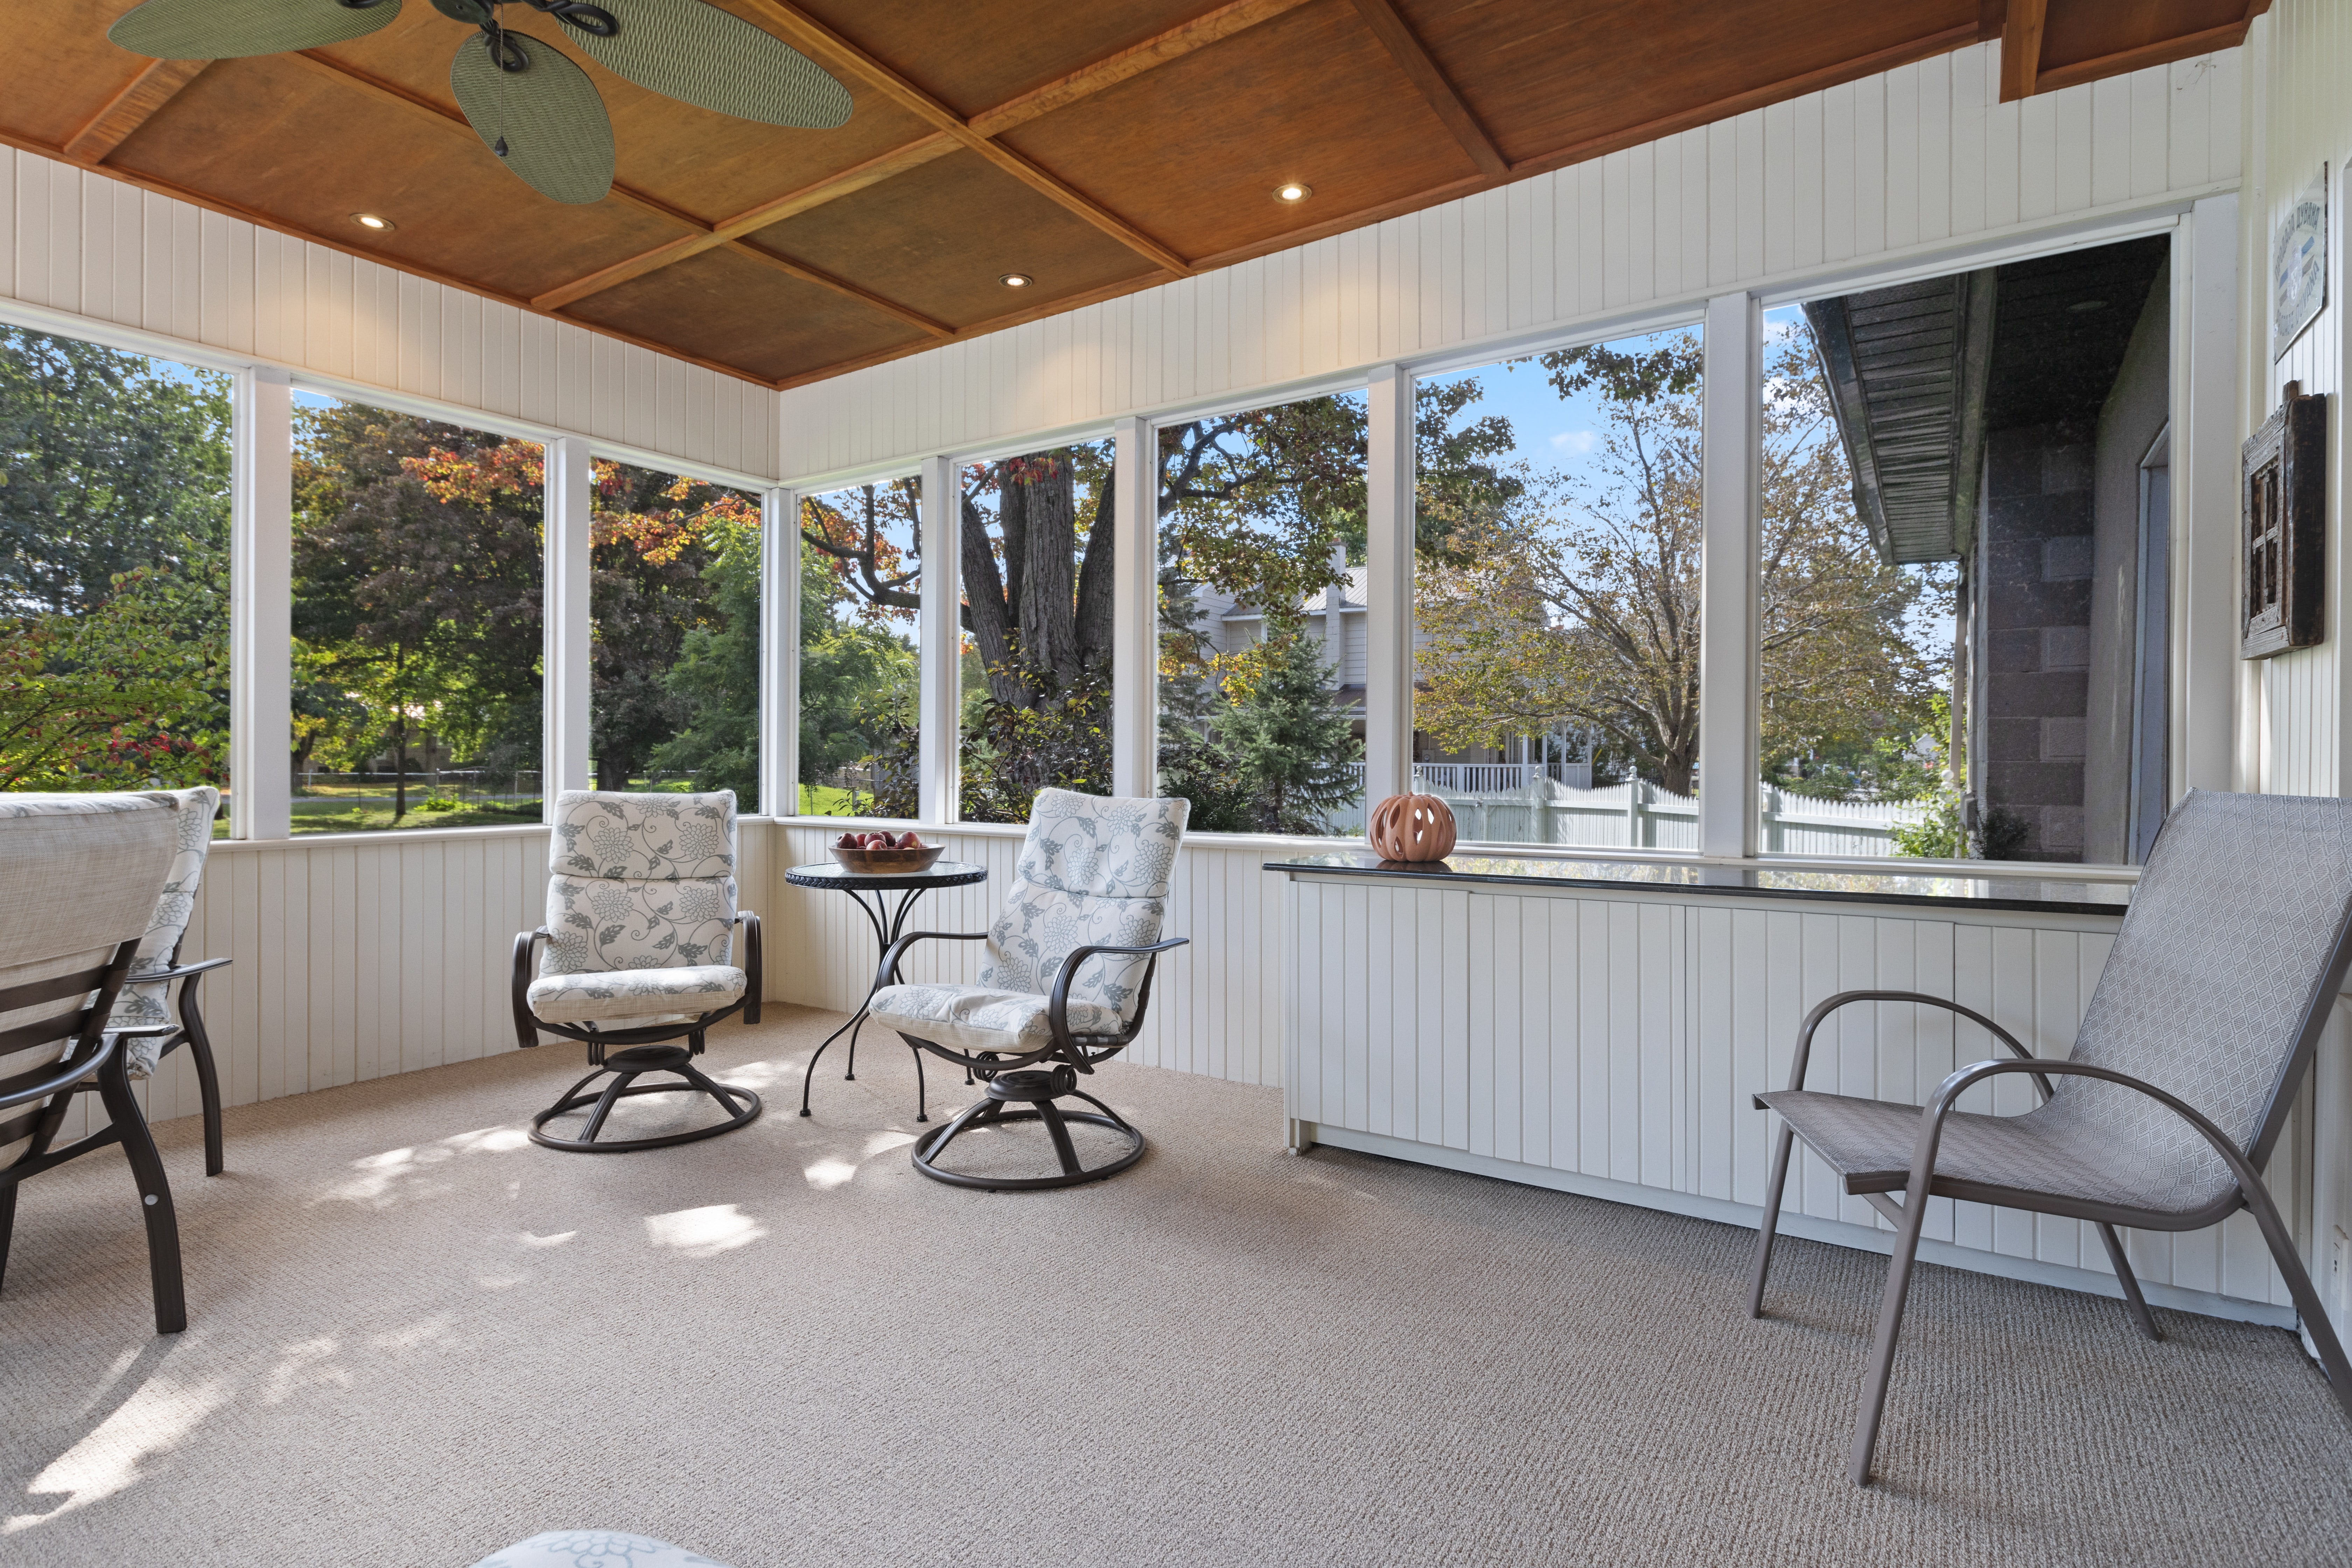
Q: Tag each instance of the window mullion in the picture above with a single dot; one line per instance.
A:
(779, 652)
(261, 605)
(941, 641)
(1389, 520)
(1135, 615)
(568, 667)
(1731, 459)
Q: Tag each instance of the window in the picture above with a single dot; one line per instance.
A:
(861, 681)
(417, 614)
(1262, 618)
(1965, 564)
(1038, 536)
(114, 634)
(1556, 598)
(674, 602)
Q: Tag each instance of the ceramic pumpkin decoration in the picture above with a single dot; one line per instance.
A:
(1411, 827)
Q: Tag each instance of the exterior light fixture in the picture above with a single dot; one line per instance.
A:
(1016, 280)
(1292, 191)
(369, 220)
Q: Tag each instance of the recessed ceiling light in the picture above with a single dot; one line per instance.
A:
(1016, 280)
(2085, 307)
(369, 220)
(1292, 191)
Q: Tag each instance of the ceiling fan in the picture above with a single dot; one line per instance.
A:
(531, 106)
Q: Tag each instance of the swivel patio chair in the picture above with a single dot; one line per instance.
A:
(1082, 917)
(2163, 1118)
(82, 873)
(640, 931)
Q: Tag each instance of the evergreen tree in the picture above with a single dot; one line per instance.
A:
(1288, 740)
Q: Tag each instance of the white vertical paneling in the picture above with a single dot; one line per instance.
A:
(1622, 1037)
(1906, 163)
(101, 251)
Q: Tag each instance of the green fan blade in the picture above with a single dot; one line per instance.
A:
(700, 55)
(232, 30)
(558, 137)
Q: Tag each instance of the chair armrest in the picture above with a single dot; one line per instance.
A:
(889, 968)
(70, 1072)
(1813, 1021)
(526, 1025)
(1058, 1007)
(751, 964)
(181, 971)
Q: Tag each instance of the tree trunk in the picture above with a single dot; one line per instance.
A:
(1096, 601)
(1048, 574)
(400, 766)
(985, 614)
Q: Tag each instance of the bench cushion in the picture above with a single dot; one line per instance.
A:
(599, 995)
(595, 1549)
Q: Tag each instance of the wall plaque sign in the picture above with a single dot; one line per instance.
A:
(2299, 265)
(2284, 499)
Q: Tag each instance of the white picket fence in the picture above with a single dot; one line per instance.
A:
(1637, 815)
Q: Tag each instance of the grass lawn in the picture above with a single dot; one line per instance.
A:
(824, 800)
(375, 816)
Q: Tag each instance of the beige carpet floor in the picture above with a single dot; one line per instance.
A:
(415, 1337)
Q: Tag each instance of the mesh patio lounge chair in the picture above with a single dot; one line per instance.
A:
(2163, 1118)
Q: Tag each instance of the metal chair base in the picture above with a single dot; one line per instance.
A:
(626, 1066)
(1038, 1088)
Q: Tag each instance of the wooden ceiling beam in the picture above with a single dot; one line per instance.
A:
(705, 236)
(1443, 97)
(1112, 69)
(2163, 52)
(806, 274)
(1079, 85)
(2020, 48)
(833, 186)
(127, 111)
(813, 37)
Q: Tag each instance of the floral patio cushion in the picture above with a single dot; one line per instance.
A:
(975, 1019)
(1092, 871)
(596, 924)
(643, 838)
(636, 994)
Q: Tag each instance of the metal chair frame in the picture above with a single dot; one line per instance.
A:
(95, 1053)
(641, 1051)
(1011, 1077)
(1909, 1216)
(189, 1032)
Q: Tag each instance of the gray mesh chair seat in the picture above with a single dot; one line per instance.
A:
(640, 952)
(2165, 1113)
(1064, 984)
(2039, 1160)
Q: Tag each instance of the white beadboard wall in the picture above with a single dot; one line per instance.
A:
(1903, 165)
(1620, 1037)
(105, 252)
(2298, 118)
(362, 956)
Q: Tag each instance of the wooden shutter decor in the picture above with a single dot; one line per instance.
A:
(2284, 502)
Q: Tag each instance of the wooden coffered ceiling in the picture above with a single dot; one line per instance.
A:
(1097, 147)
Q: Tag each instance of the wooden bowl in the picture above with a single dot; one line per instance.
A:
(888, 862)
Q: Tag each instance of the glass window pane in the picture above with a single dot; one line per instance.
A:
(1556, 596)
(674, 603)
(1966, 576)
(114, 666)
(1262, 618)
(1038, 532)
(861, 679)
(418, 644)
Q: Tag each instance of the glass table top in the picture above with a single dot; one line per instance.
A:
(2012, 888)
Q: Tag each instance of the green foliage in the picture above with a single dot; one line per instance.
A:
(114, 568)
(1289, 742)
(717, 676)
(1011, 750)
(1940, 835)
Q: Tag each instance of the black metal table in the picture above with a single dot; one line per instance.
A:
(888, 925)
